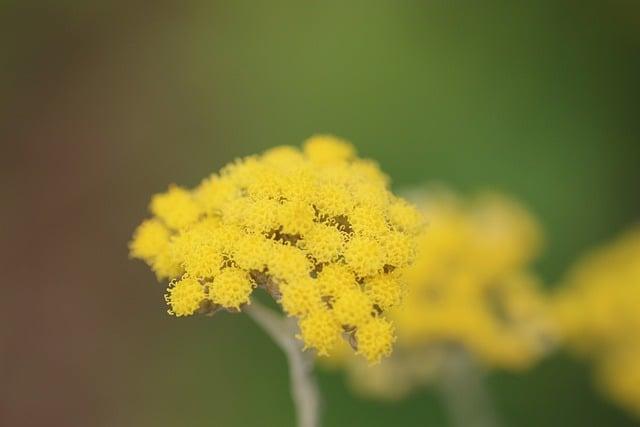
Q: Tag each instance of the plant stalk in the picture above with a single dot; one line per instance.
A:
(464, 393)
(303, 386)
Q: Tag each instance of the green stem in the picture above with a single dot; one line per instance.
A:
(303, 386)
(464, 393)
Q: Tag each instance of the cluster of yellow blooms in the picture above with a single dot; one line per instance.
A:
(468, 290)
(598, 313)
(318, 229)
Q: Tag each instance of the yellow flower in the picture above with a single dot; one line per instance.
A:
(468, 288)
(324, 243)
(320, 330)
(618, 373)
(185, 296)
(199, 248)
(301, 297)
(334, 279)
(375, 339)
(317, 228)
(150, 239)
(327, 149)
(599, 317)
(165, 266)
(353, 307)
(365, 255)
(470, 283)
(176, 207)
(385, 290)
(231, 288)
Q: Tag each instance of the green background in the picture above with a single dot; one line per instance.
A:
(105, 103)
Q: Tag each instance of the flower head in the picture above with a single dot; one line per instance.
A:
(317, 228)
(185, 296)
(470, 284)
(598, 313)
(468, 290)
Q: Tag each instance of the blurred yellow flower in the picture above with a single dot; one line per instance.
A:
(598, 312)
(468, 290)
(318, 229)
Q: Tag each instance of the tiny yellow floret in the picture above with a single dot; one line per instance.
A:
(384, 290)
(231, 288)
(320, 330)
(335, 279)
(353, 307)
(150, 239)
(375, 339)
(176, 207)
(365, 255)
(166, 266)
(185, 296)
(327, 149)
(300, 297)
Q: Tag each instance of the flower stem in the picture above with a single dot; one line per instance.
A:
(464, 393)
(304, 388)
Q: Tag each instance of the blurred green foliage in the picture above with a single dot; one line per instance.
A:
(535, 99)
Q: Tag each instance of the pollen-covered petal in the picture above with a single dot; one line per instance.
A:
(335, 279)
(176, 207)
(185, 296)
(251, 251)
(370, 170)
(295, 218)
(214, 193)
(289, 264)
(333, 199)
(300, 297)
(404, 216)
(352, 307)
(255, 215)
(365, 255)
(368, 222)
(385, 290)
(325, 149)
(198, 249)
(231, 288)
(150, 239)
(325, 243)
(165, 266)
(283, 157)
(399, 249)
(375, 339)
(320, 330)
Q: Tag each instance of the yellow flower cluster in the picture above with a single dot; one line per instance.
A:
(317, 228)
(469, 289)
(471, 286)
(598, 312)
